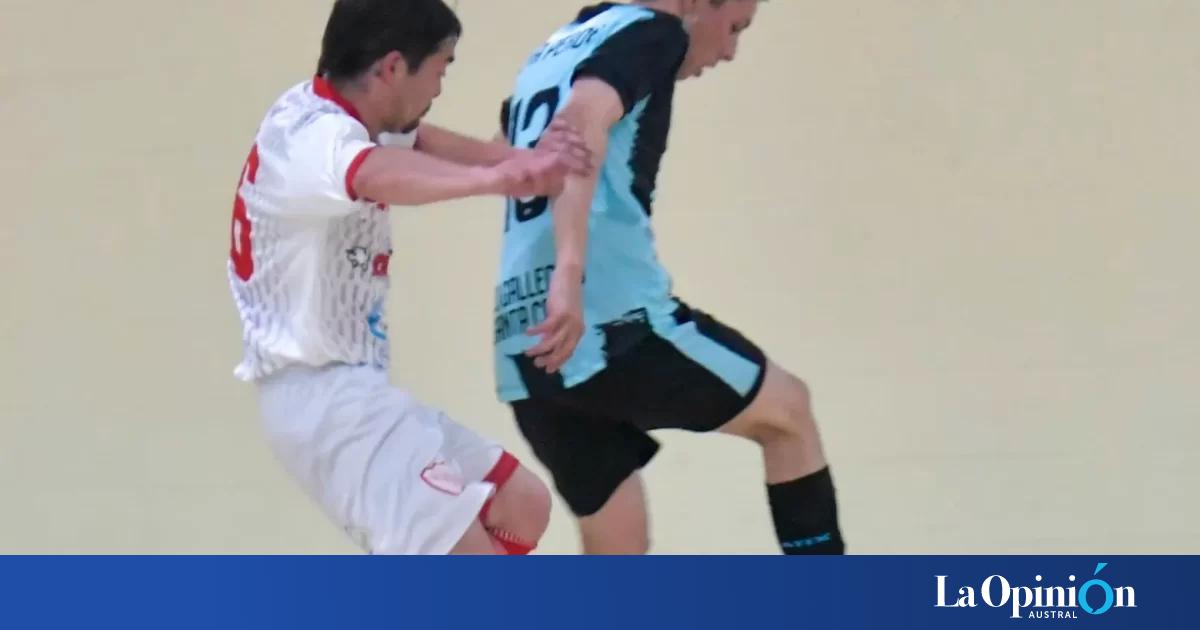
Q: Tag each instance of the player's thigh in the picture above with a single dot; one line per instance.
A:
(521, 503)
(476, 454)
(781, 413)
(739, 391)
(424, 483)
(374, 458)
(588, 457)
(621, 527)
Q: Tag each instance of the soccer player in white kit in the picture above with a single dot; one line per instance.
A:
(311, 242)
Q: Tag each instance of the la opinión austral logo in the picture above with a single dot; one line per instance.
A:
(1041, 600)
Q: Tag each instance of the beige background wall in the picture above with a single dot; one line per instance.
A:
(967, 223)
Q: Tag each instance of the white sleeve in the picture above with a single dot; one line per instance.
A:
(403, 140)
(321, 160)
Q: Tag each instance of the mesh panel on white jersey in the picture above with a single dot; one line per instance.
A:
(309, 262)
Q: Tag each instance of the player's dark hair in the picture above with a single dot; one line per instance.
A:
(360, 32)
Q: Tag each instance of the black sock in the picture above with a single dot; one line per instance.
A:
(805, 514)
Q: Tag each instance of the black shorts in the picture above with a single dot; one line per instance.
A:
(595, 435)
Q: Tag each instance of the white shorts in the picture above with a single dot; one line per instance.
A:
(397, 476)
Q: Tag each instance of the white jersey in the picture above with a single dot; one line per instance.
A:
(309, 259)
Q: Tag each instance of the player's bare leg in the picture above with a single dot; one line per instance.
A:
(519, 514)
(799, 485)
(621, 527)
(781, 421)
(476, 542)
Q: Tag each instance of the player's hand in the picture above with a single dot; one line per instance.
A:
(566, 141)
(562, 329)
(531, 173)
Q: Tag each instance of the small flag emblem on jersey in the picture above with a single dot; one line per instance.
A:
(443, 477)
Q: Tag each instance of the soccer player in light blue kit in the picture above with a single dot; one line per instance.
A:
(593, 350)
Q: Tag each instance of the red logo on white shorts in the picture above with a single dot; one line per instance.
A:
(444, 477)
(379, 266)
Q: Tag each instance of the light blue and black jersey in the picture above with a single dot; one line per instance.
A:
(627, 291)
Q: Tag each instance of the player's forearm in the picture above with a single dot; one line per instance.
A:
(570, 215)
(593, 109)
(571, 210)
(409, 178)
(460, 149)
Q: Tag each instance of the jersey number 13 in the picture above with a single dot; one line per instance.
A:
(524, 133)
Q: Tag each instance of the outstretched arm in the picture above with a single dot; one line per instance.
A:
(455, 147)
(398, 176)
(593, 109)
(403, 177)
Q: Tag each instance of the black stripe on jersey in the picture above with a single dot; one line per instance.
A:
(505, 114)
(641, 62)
(650, 144)
(640, 59)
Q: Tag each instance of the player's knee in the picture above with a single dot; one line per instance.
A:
(790, 417)
(534, 502)
(522, 506)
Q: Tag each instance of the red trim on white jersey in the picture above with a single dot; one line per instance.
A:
(353, 170)
(323, 88)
